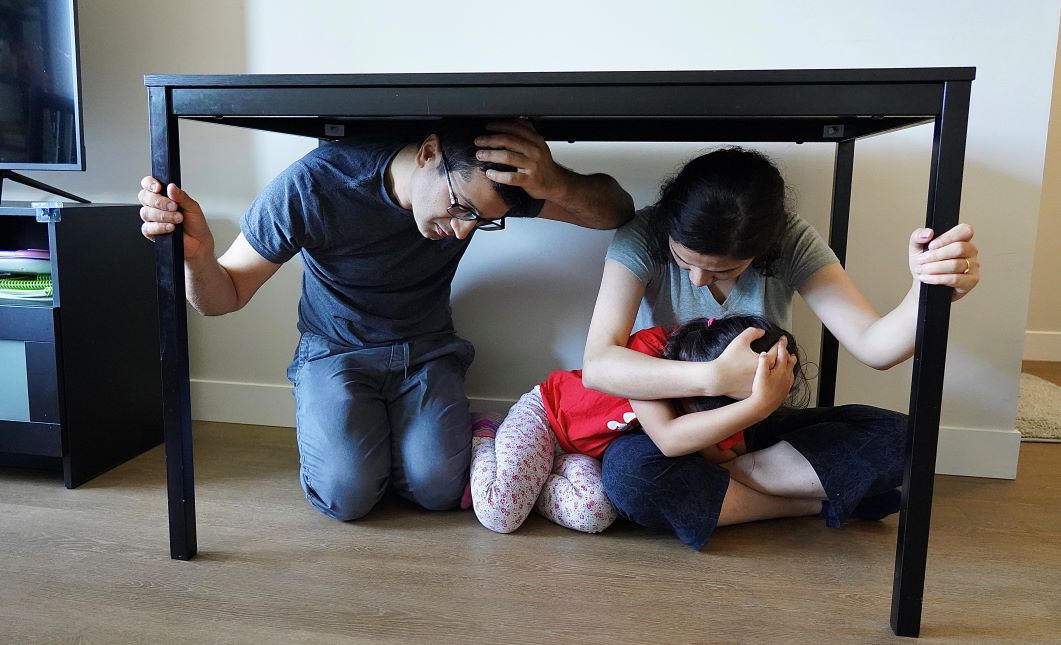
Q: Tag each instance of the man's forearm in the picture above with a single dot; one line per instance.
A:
(209, 287)
(596, 201)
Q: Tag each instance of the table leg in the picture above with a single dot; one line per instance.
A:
(173, 337)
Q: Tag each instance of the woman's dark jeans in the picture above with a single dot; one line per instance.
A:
(856, 451)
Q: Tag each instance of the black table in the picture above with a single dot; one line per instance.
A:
(837, 106)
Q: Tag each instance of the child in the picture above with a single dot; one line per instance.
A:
(546, 451)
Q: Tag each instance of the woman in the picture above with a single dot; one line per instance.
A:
(720, 241)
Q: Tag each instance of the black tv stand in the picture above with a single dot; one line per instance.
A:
(33, 183)
(84, 391)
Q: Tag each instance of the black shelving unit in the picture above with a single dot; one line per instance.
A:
(92, 375)
(832, 106)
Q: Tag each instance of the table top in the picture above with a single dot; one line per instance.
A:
(711, 77)
(722, 105)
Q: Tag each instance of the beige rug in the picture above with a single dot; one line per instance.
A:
(1038, 408)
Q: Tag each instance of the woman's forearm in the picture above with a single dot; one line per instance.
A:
(629, 374)
(890, 339)
(875, 340)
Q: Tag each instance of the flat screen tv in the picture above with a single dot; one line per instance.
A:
(40, 91)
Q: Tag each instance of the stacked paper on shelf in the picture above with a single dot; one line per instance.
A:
(33, 261)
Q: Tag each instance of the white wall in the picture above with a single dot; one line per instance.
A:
(1042, 342)
(238, 361)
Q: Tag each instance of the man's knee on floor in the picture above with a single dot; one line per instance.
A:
(343, 497)
(436, 479)
(438, 490)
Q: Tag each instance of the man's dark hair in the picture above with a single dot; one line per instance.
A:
(458, 142)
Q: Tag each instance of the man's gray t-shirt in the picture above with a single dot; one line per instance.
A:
(369, 277)
(672, 299)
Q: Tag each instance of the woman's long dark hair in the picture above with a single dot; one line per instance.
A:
(697, 340)
(730, 202)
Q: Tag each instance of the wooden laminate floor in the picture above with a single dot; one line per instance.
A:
(91, 566)
(1048, 370)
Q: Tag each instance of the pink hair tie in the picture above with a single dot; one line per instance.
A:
(710, 321)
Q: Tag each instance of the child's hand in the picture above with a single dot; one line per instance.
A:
(773, 377)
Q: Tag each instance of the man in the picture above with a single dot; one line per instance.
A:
(381, 225)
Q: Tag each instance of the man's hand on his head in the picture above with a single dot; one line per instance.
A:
(516, 143)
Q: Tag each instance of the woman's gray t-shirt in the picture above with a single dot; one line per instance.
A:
(672, 299)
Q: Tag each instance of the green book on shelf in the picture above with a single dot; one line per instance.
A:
(26, 286)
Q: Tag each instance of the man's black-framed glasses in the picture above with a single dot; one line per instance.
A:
(466, 213)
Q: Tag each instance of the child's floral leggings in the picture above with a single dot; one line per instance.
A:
(525, 468)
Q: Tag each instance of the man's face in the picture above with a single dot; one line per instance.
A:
(432, 197)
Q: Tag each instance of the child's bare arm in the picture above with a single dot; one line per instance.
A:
(681, 435)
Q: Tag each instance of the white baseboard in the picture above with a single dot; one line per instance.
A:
(1042, 346)
(259, 404)
(962, 451)
(265, 404)
(497, 406)
(977, 453)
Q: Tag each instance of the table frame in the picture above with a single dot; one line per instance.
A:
(838, 106)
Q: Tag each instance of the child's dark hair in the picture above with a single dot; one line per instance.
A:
(697, 340)
(729, 202)
(457, 137)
